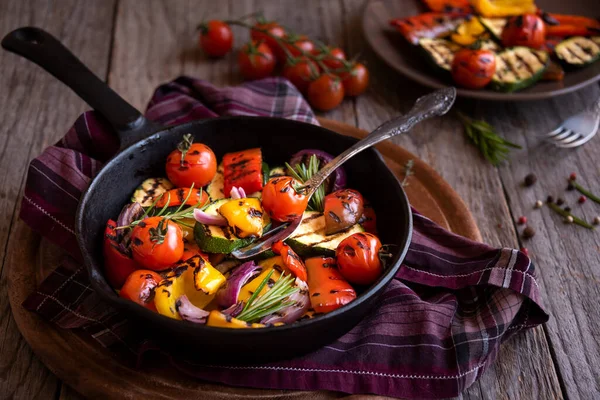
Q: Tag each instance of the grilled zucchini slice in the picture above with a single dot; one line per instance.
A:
(150, 189)
(518, 68)
(578, 51)
(439, 54)
(215, 187)
(494, 26)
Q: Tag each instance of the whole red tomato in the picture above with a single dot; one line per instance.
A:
(157, 243)
(300, 71)
(343, 208)
(118, 262)
(473, 69)
(326, 92)
(191, 163)
(216, 38)
(256, 61)
(281, 200)
(139, 288)
(356, 81)
(333, 58)
(358, 258)
(266, 31)
(298, 44)
(526, 30)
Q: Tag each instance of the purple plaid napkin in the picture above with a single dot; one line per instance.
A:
(436, 329)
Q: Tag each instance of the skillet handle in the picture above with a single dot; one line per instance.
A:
(45, 50)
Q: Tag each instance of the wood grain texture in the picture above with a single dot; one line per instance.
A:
(35, 111)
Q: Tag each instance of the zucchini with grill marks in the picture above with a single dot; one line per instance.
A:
(494, 26)
(578, 51)
(150, 189)
(215, 187)
(439, 54)
(518, 68)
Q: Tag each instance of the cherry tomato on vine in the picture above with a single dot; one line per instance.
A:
(139, 288)
(157, 243)
(524, 30)
(270, 30)
(216, 38)
(191, 163)
(332, 57)
(281, 201)
(343, 208)
(473, 69)
(326, 92)
(300, 71)
(356, 81)
(256, 61)
(358, 258)
(297, 45)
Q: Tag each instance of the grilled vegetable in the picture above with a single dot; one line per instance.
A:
(473, 69)
(427, 25)
(139, 288)
(215, 187)
(309, 239)
(118, 260)
(328, 290)
(578, 51)
(524, 30)
(220, 320)
(206, 277)
(274, 264)
(448, 6)
(570, 25)
(175, 197)
(290, 259)
(245, 216)
(276, 172)
(494, 26)
(554, 72)
(503, 8)
(150, 189)
(518, 68)
(489, 44)
(343, 209)
(243, 169)
(467, 33)
(439, 53)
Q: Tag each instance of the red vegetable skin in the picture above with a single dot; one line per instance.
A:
(300, 73)
(243, 169)
(446, 6)
(139, 288)
(216, 38)
(473, 69)
(570, 25)
(257, 33)
(281, 200)
(157, 243)
(191, 249)
(369, 218)
(117, 265)
(256, 61)
(328, 289)
(175, 197)
(427, 25)
(291, 260)
(298, 45)
(343, 209)
(524, 30)
(358, 258)
(198, 166)
(334, 57)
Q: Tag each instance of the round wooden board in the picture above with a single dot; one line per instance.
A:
(92, 371)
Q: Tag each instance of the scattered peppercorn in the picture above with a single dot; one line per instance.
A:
(538, 204)
(569, 219)
(560, 201)
(500, 226)
(568, 209)
(582, 199)
(570, 186)
(524, 250)
(522, 220)
(528, 232)
(597, 221)
(530, 180)
(573, 176)
(549, 199)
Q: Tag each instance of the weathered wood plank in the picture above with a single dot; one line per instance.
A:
(35, 111)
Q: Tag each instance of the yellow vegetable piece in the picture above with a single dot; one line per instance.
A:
(188, 228)
(503, 8)
(244, 216)
(182, 280)
(269, 264)
(468, 32)
(220, 320)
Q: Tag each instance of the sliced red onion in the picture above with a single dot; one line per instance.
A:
(129, 213)
(242, 192)
(208, 219)
(237, 193)
(190, 312)
(235, 309)
(295, 311)
(228, 295)
(303, 156)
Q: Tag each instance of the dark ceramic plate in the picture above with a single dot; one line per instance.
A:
(393, 49)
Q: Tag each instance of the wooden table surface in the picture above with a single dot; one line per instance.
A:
(138, 44)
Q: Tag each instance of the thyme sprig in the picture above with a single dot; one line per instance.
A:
(274, 300)
(584, 191)
(303, 173)
(564, 213)
(493, 147)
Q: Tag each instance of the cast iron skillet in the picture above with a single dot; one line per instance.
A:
(144, 148)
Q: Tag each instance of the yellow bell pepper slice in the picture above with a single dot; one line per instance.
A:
(244, 216)
(468, 32)
(269, 264)
(503, 8)
(220, 320)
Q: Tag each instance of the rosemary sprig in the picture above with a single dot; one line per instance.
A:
(303, 173)
(408, 171)
(584, 191)
(493, 147)
(576, 220)
(272, 301)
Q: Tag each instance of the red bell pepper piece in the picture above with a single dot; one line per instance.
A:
(447, 6)
(327, 288)
(177, 196)
(117, 264)
(291, 260)
(243, 169)
(427, 25)
(570, 25)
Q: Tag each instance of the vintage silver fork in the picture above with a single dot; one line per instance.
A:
(578, 129)
(431, 105)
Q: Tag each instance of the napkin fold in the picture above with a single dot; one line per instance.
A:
(434, 331)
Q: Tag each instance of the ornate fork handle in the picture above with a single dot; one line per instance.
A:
(431, 105)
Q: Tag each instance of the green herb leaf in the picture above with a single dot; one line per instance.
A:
(274, 300)
(303, 173)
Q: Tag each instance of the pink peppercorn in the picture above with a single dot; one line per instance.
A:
(522, 220)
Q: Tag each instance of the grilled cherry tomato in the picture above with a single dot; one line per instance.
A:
(333, 58)
(524, 30)
(157, 243)
(177, 196)
(216, 38)
(256, 61)
(326, 92)
(473, 69)
(300, 71)
(272, 28)
(139, 288)
(356, 81)
(118, 263)
(191, 164)
(343, 209)
(327, 288)
(299, 44)
(369, 218)
(291, 260)
(281, 201)
(358, 258)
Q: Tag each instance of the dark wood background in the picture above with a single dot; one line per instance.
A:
(138, 44)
